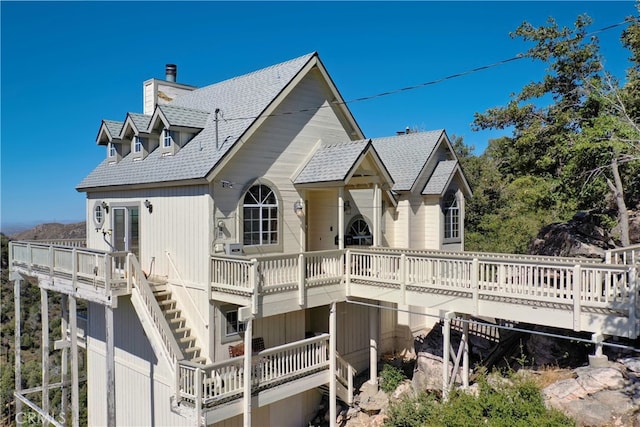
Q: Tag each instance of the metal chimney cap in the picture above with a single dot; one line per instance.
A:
(171, 72)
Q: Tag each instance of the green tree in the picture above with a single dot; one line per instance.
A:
(583, 143)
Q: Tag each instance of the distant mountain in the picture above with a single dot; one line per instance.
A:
(53, 230)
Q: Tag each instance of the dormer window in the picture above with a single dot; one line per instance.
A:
(111, 150)
(138, 144)
(168, 138)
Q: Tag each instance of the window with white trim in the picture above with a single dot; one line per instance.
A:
(451, 216)
(168, 137)
(260, 216)
(111, 150)
(138, 143)
(233, 326)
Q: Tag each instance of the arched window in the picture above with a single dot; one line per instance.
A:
(451, 216)
(360, 232)
(260, 211)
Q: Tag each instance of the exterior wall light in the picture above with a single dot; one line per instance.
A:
(347, 207)
(148, 205)
(298, 208)
(105, 206)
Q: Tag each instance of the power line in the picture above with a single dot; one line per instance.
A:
(424, 84)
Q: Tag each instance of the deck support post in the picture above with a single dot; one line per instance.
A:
(44, 312)
(64, 358)
(446, 348)
(598, 359)
(465, 352)
(246, 404)
(75, 380)
(340, 218)
(373, 348)
(333, 415)
(111, 366)
(18, 332)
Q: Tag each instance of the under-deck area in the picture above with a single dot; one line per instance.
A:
(570, 293)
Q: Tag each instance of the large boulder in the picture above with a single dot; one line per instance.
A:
(583, 236)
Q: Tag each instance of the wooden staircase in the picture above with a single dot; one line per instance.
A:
(186, 340)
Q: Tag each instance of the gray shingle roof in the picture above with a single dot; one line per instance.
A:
(405, 155)
(240, 99)
(438, 180)
(113, 127)
(184, 117)
(332, 162)
(140, 121)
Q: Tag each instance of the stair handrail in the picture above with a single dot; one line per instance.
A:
(155, 312)
(343, 367)
(193, 304)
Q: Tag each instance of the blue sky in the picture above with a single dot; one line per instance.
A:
(65, 66)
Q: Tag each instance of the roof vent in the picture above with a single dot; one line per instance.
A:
(171, 71)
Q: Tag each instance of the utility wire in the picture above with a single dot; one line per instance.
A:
(424, 84)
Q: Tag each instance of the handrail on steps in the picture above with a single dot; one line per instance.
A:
(153, 309)
(193, 304)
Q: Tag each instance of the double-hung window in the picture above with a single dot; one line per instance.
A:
(168, 138)
(260, 211)
(451, 217)
(111, 149)
(233, 325)
(138, 143)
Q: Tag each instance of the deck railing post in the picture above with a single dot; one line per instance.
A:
(30, 252)
(198, 397)
(107, 272)
(347, 256)
(301, 278)
(51, 258)
(475, 273)
(177, 381)
(350, 383)
(577, 296)
(254, 283)
(446, 348)
(633, 302)
(403, 277)
(74, 266)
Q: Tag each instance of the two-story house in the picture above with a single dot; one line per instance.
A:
(264, 166)
(248, 250)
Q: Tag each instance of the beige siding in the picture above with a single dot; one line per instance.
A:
(295, 411)
(275, 330)
(275, 152)
(178, 227)
(138, 373)
(432, 228)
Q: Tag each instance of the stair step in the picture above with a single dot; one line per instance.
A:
(171, 311)
(182, 330)
(187, 339)
(177, 320)
(192, 349)
(199, 359)
(166, 302)
(161, 293)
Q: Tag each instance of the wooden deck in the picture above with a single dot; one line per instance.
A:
(578, 294)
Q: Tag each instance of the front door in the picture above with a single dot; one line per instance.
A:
(126, 230)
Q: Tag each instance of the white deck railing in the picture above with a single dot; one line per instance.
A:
(74, 243)
(98, 268)
(153, 310)
(625, 256)
(218, 382)
(596, 285)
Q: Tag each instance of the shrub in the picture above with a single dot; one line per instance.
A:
(391, 377)
(512, 402)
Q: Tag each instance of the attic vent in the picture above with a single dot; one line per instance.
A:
(171, 72)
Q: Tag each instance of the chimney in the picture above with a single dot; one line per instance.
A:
(171, 71)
